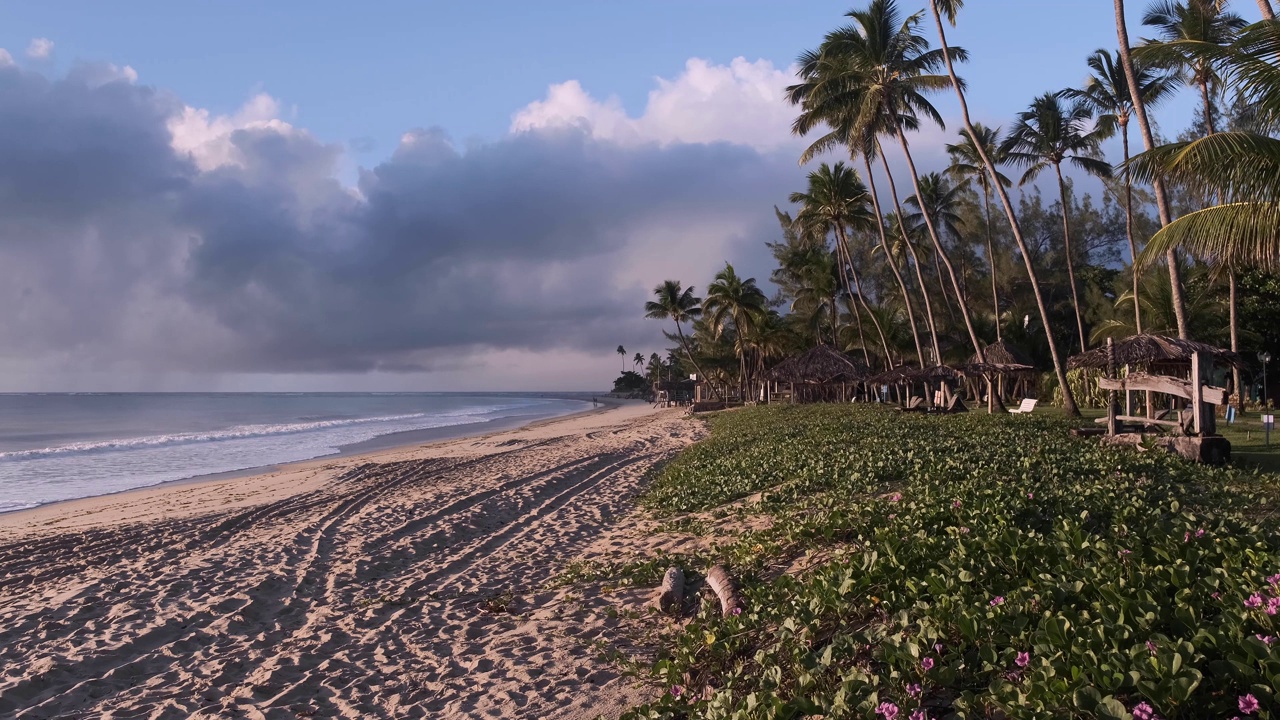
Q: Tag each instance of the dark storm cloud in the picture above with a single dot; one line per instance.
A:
(117, 249)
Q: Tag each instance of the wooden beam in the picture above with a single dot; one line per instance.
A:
(1164, 384)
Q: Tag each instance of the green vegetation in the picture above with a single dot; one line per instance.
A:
(969, 566)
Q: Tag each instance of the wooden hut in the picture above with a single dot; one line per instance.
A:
(822, 374)
(1179, 369)
(1008, 370)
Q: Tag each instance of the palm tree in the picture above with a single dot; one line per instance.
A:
(730, 298)
(1201, 22)
(1107, 93)
(1148, 140)
(966, 164)
(1047, 135)
(836, 201)
(623, 352)
(882, 70)
(680, 306)
(1267, 12)
(952, 8)
(638, 360)
(941, 201)
(822, 75)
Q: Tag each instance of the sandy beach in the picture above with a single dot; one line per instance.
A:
(410, 582)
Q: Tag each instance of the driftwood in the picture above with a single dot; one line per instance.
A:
(671, 594)
(1167, 385)
(725, 588)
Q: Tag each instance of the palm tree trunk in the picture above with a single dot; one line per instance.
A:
(1162, 200)
(991, 258)
(941, 252)
(946, 299)
(915, 261)
(1267, 12)
(1207, 100)
(1235, 340)
(893, 264)
(1068, 399)
(843, 240)
(1071, 270)
(701, 375)
(1128, 228)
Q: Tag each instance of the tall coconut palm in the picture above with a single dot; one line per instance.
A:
(1148, 141)
(836, 200)
(732, 299)
(822, 75)
(638, 360)
(1107, 93)
(1265, 7)
(951, 8)
(1201, 22)
(680, 306)
(623, 353)
(941, 200)
(966, 164)
(879, 71)
(1048, 135)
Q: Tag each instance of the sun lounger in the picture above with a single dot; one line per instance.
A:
(955, 406)
(915, 404)
(1028, 404)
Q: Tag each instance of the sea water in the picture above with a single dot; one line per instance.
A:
(62, 446)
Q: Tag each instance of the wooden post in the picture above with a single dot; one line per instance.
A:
(726, 589)
(1111, 395)
(1197, 404)
(671, 594)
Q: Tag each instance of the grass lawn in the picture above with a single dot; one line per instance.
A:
(909, 566)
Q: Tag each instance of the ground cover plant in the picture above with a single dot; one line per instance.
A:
(970, 567)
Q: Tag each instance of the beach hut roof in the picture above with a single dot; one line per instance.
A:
(819, 365)
(1002, 353)
(933, 374)
(1152, 349)
(978, 369)
(895, 375)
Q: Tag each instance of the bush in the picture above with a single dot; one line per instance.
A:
(978, 567)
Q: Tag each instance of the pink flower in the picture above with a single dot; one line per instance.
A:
(896, 497)
(736, 611)
(919, 714)
(964, 531)
(914, 690)
(1274, 579)
(1024, 659)
(1125, 552)
(888, 710)
(1216, 595)
(1254, 601)
(927, 664)
(1151, 646)
(677, 690)
(1248, 704)
(1200, 533)
(1143, 711)
(1031, 496)
(1186, 537)
(937, 647)
(1268, 639)
(1273, 605)
(997, 600)
(956, 504)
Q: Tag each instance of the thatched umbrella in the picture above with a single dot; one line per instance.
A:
(1001, 360)
(821, 365)
(1152, 350)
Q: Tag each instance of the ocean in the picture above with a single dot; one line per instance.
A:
(61, 446)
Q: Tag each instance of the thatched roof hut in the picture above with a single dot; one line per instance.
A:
(932, 374)
(1002, 353)
(819, 366)
(1148, 350)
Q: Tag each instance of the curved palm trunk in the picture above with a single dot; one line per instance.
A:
(915, 261)
(893, 264)
(843, 240)
(1267, 12)
(685, 344)
(946, 299)
(1071, 268)
(1128, 228)
(941, 252)
(1162, 200)
(991, 257)
(1069, 400)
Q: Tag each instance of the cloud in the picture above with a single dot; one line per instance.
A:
(142, 237)
(6, 59)
(742, 103)
(40, 49)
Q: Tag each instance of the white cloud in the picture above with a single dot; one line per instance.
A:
(206, 138)
(5, 58)
(40, 49)
(742, 103)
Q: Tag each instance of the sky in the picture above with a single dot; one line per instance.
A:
(415, 196)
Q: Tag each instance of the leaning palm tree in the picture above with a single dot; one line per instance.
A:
(732, 299)
(966, 165)
(1148, 141)
(836, 201)
(1107, 93)
(1048, 135)
(951, 8)
(873, 75)
(680, 306)
(622, 352)
(941, 202)
(638, 360)
(1198, 21)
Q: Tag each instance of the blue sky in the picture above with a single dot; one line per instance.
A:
(408, 195)
(357, 71)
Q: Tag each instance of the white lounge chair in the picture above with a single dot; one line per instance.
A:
(1028, 404)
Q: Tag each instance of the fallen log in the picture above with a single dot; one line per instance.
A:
(725, 588)
(671, 594)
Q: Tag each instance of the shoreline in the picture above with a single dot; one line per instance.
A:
(366, 451)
